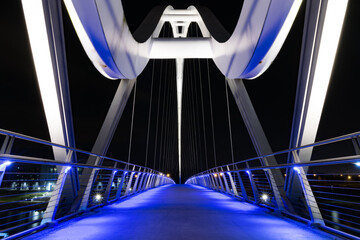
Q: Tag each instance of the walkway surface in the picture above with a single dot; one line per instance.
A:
(180, 212)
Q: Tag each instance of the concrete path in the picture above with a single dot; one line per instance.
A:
(180, 212)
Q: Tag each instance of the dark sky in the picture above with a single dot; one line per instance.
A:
(273, 93)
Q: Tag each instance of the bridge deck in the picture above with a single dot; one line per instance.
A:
(180, 212)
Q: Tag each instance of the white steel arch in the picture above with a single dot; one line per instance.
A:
(259, 34)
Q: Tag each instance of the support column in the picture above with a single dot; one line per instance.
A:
(179, 87)
(258, 138)
(321, 34)
(45, 30)
(103, 140)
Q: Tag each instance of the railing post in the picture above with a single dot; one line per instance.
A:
(143, 176)
(253, 186)
(138, 174)
(225, 181)
(157, 179)
(89, 185)
(216, 179)
(50, 212)
(233, 186)
(277, 195)
(204, 180)
(109, 185)
(5, 149)
(243, 190)
(312, 205)
(145, 182)
(128, 186)
(213, 184)
(148, 182)
(220, 175)
(153, 177)
(119, 190)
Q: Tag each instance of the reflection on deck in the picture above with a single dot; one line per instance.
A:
(180, 212)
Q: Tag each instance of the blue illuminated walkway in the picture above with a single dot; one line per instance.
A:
(180, 212)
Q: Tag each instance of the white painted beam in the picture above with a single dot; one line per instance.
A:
(172, 48)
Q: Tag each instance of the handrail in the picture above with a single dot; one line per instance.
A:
(307, 187)
(48, 143)
(41, 191)
(320, 143)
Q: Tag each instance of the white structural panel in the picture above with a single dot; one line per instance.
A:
(259, 34)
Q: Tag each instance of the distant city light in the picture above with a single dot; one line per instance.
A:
(215, 175)
(264, 197)
(168, 175)
(221, 174)
(349, 177)
(136, 176)
(98, 197)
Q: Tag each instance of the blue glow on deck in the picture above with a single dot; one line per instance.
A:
(180, 212)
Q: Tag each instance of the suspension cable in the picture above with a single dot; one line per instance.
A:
(150, 108)
(211, 112)
(132, 121)
(229, 121)
(202, 110)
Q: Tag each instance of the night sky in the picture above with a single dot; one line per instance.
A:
(272, 94)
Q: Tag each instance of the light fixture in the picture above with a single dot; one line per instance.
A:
(168, 175)
(296, 169)
(357, 164)
(264, 197)
(6, 163)
(98, 197)
(67, 169)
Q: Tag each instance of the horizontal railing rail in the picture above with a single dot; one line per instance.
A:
(324, 191)
(36, 189)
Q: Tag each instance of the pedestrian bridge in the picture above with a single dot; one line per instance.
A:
(52, 189)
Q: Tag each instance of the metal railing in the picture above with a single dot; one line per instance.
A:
(36, 189)
(320, 191)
